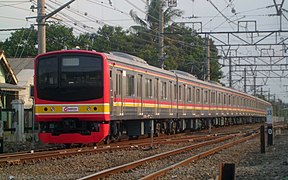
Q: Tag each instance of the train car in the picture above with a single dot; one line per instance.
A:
(86, 97)
(72, 96)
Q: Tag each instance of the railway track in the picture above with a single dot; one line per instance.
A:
(34, 157)
(137, 164)
(24, 158)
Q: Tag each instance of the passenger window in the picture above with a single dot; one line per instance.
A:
(148, 88)
(189, 94)
(180, 93)
(164, 90)
(198, 99)
(130, 85)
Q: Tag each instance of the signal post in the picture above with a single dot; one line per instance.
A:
(269, 122)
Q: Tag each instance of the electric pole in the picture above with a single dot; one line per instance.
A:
(161, 32)
(230, 71)
(208, 59)
(41, 26)
(245, 84)
(41, 20)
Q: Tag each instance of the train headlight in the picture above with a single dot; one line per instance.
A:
(88, 108)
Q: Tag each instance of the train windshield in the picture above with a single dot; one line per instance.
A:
(70, 77)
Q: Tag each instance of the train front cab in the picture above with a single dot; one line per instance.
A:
(72, 97)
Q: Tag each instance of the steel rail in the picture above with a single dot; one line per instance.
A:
(16, 159)
(131, 165)
(195, 158)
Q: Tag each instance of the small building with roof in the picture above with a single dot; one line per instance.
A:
(9, 90)
(23, 69)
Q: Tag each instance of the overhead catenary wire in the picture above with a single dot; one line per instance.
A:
(188, 45)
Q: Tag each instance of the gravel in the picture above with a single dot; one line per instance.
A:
(250, 163)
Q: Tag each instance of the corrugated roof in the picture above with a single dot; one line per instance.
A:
(18, 64)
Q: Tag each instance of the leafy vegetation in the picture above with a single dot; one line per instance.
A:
(184, 50)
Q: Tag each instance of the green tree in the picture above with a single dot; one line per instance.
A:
(21, 43)
(147, 31)
(59, 37)
(183, 49)
(107, 39)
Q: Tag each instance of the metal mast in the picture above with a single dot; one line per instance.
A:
(41, 19)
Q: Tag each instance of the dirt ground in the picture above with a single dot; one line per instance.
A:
(273, 164)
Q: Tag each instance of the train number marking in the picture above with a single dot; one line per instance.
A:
(70, 109)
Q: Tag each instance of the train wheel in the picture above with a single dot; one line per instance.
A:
(107, 140)
(157, 130)
(116, 137)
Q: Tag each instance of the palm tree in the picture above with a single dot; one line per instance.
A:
(148, 30)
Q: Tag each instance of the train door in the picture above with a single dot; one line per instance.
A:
(171, 93)
(118, 101)
(180, 100)
(156, 89)
(140, 94)
(184, 99)
(111, 93)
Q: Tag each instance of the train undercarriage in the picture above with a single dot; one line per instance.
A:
(136, 128)
(87, 131)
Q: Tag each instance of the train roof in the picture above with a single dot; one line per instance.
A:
(141, 63)
(136, 61)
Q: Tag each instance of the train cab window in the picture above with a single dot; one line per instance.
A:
(148, 88)
(130, 85)
(163, 90)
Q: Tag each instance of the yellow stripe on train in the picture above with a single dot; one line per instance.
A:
(72, 108)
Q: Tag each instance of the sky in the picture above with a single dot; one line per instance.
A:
(215, 16)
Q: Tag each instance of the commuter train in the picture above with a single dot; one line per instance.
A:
(89, 97)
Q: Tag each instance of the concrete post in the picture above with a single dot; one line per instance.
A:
(1, 132)
(18, 106)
